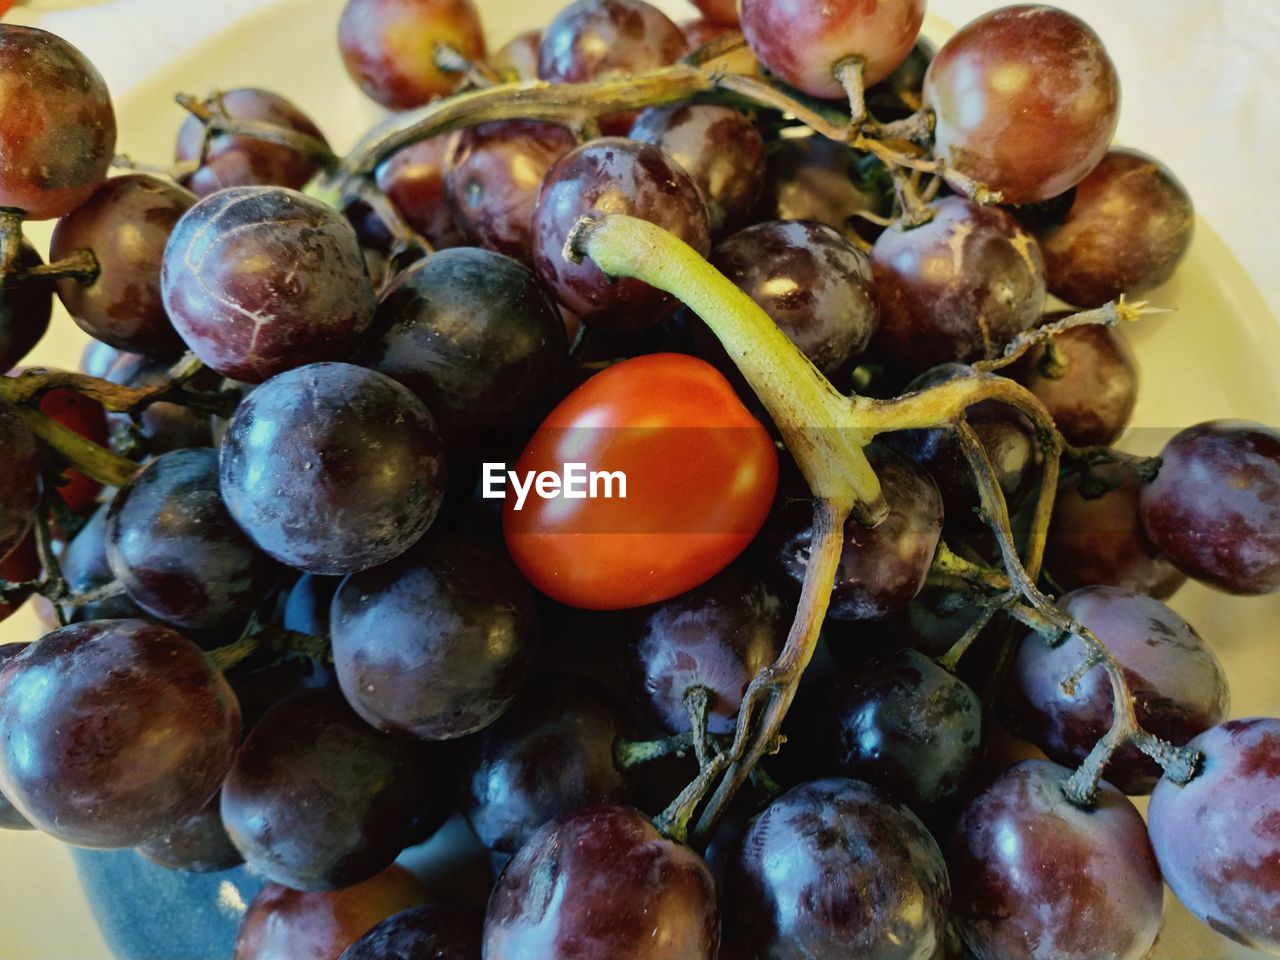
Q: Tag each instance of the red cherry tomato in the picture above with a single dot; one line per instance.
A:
(700, 471)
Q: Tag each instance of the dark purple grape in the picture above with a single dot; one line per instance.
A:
(599, 884)
(881, 568)
(716, 637)
(85, 568)
(125, 224)
(492, 175)
(306, 609)
(284, 924)
(474, 335)
(332, 468)
(20, 565)
(1092, 387)
(163, 426)
(811, 281)
(137, 739)
(813, 178)
(552, 753)
(1218, 837)
(228, 160)
(430, 932)
(1128, 227)
(1099, 539)
(413, 179)
(98, 358)
(56, 124)
(1038, 877)
(1179, 687)
(904, 725)
(197, 845)
(606, 176)
(19, 479)
(10, 818)
(177, 551)
(447, 674)
(317, 799)
(25, 308)
(831, 870)
(1214, 509)
(259, 280)
(720, 149)
(957, 288)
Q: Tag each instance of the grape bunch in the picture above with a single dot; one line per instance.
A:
(656, 447)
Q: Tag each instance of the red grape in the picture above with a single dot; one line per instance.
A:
(88, 418)
(413, 179)
(20, 565)
(719, 11)
(518, 57)
(1126, 231)
(137, 739)
(57, 126)
(389, 46)
(26, 305)
(197, 845)
(19, 479)
(431, 932)
(1025, 100)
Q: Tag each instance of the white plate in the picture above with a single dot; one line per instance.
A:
(1209, 359)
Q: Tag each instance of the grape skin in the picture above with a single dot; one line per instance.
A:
(19, 479)
(26, 307)
(197, 845)
(430, 932)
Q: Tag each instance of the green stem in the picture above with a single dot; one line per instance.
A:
(93, 461)
(635, 753)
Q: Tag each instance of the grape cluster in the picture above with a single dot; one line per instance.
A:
(293, 626)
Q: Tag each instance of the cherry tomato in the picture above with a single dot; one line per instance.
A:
(700, 472)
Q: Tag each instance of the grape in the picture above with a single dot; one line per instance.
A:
(306, 608)
(1092, 399)
(163, 426)
(430, 932)
(833, 870)
(518, 57)
(1025, 101)
(317, 799)
(25, 308)
(475, 336)
(720, 149)
(229, 160)
(56, 124)
(698, 33)
(98, 357)
(88, 418)
(284, 924)
(1037, 877)
(719, 11)
(1179, 687)
(19, 479)
(85, 568)
(881, 568)
(444, 675)
(1214, 509)
(413, 179)
(550, 754)
(904, 725)
(1128, 228)
(1099, 540)
(814, 284)
(10, 818)
(331, 469)
(1217, 837)
(173, 545)
(957, 288)
(138, 737)
(258, 280)
(599, 884)
(716, 637)
(804, 41)
(21, 564)
(389, 46)
(608, 176)
(493, 172)
(197, 845)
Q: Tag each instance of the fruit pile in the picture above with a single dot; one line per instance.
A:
(775, 283)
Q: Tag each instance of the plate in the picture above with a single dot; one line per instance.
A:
(1199, 362)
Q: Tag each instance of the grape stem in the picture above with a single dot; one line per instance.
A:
(275, 640)
(29, 386)
(95, 462)
(1108, 315)
(214, 116)
(634, 753)
(10, 239)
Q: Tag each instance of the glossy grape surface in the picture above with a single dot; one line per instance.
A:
(318, 800)
(331, 468)
(259, 280)
(1026, 101)
(57, 126)
(19, 479)
(306, 608)
(25, 309)
(1214, 509)
(475, 336)
(413, 179)
(174, 546)
(833, 869)
(957, 288)
(1179, 686)
(85, 568)
(1036, 878)
(139, 736)
(10, 818)
(595, 885)
(447, 674)
(197, 845)
(230, 160)
(613, 175)
(430, 932)
(1218, 837)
